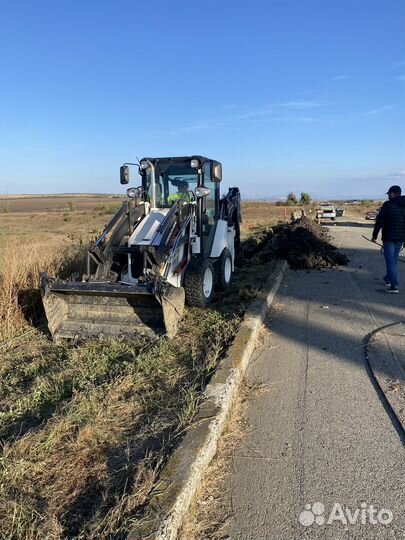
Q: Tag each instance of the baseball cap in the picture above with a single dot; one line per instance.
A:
(394, 189)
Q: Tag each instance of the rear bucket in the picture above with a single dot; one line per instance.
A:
(83, 310)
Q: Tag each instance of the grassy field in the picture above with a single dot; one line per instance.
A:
(86, 429)
(54, 219)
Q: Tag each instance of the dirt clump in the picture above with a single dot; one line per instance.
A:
(302, 243)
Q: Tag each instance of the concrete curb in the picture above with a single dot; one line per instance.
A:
(182, 475)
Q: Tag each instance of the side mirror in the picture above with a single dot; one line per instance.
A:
(202, 192)
(217, 172)
(124, 174)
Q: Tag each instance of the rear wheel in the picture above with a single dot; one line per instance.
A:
(225, 270)
(199, 283)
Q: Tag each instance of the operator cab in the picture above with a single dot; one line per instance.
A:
(190, 184)
(165, 180)
(173, 182)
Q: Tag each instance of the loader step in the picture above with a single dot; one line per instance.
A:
(125, 249)
(100, 289)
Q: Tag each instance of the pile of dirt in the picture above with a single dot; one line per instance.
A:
(303, 243)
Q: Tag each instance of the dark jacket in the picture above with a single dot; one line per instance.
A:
(391, 219)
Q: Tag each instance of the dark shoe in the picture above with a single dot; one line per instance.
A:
(393, 290)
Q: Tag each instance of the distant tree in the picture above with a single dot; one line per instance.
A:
(291, 200)
(305, 199)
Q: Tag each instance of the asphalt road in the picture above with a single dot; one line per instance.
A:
(319, 431)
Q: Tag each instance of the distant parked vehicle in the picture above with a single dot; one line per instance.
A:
(340, 212)
(372, 216)
(326, 211)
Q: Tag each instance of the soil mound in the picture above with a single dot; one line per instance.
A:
(303, 243)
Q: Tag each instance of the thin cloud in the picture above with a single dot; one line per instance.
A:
(192, 128)
(277, 107)
(308, 119)
(379, 110)
(301, 104)
(340, 78)
(276, 112)
(254, 114)
(199, 127)
(398, 174)
(285, 118)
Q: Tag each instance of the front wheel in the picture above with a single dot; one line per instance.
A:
(199, 283)
(225, 270)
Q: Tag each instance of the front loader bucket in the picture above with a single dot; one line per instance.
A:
(81, 309)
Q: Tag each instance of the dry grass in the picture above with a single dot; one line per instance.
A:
(212, 507)
(262, 214)
(20, 267)
(15, 204)
(85, 430)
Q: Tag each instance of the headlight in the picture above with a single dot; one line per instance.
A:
(202, 192)
(133, 193)
(195, 163)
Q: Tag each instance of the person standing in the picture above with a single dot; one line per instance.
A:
(391, 219)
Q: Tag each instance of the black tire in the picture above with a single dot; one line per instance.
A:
(196, 294)
(225, 270)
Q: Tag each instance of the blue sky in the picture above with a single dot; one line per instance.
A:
(291, 95)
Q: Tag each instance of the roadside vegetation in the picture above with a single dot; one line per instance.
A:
(305, 199)
(20, 266)
(85, 428)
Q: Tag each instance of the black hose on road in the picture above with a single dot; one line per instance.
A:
(399, 427)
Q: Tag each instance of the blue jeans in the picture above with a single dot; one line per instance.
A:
(391, 253)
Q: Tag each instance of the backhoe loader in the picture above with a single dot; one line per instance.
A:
(173, 240)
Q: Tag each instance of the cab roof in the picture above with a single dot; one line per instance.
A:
(181, 159)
